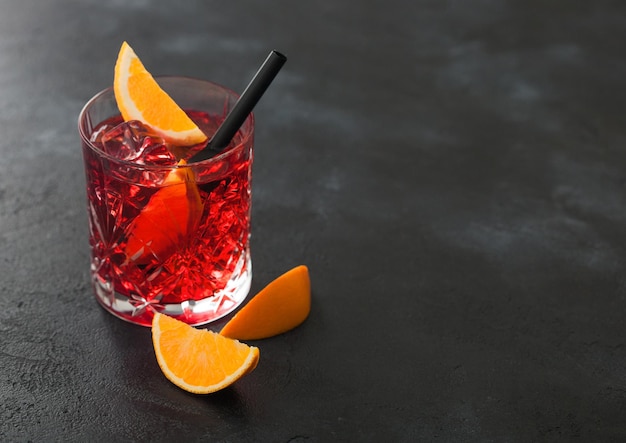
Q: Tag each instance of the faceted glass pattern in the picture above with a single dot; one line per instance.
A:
(207, 271)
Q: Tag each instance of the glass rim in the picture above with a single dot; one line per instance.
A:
(217, 158)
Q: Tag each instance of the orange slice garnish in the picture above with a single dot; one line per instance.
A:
(199, 360)
(139, 97)
(174, 210)
(282, 305)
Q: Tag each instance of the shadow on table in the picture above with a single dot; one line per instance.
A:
(137, 373)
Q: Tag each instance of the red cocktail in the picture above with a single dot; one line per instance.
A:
(165, 235)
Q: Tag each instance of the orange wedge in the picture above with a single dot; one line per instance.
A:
(199, 360)
(163, 224)
(282, 305)
(139, 97)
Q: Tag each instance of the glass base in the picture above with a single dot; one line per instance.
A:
(194, 312)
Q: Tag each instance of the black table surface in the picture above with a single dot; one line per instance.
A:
(452, 172)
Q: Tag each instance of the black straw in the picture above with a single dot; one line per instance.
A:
(247, 101)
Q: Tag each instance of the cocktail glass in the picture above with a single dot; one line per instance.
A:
(166, 236)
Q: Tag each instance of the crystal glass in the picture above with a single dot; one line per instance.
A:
(166, 236)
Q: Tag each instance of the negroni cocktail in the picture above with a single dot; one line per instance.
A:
(166, 235)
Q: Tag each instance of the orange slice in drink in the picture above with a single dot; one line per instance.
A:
(282, 305)
(139, 97)
(199, 360)
(163, 224)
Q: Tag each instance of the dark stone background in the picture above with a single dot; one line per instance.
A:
(452, 172)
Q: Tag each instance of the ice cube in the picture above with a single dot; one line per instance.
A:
(156, 152)
(124, 140)
(132, 141)
(96, 136)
